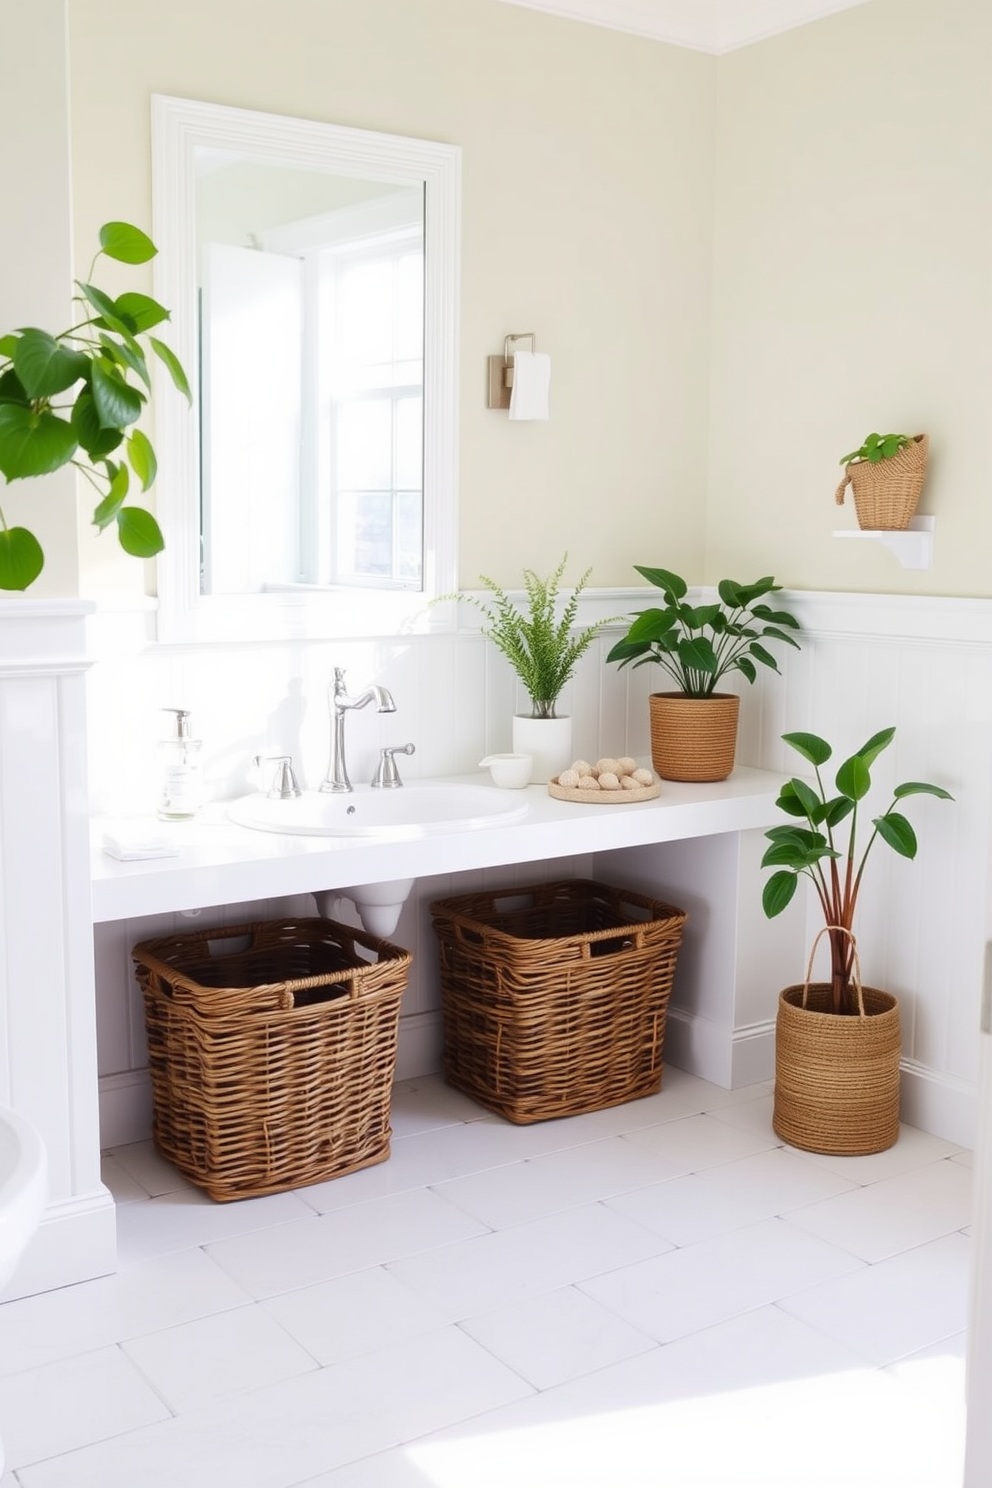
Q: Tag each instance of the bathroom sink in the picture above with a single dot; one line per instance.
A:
(411, 811)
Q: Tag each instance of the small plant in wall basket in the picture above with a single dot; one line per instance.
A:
(74, 398)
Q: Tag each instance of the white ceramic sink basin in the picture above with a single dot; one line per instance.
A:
(410, 811)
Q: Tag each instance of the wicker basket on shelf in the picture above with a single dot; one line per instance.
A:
(555, 996)
(886, 492)
(272, 1048)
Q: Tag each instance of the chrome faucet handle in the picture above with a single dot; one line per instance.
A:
(284, 783)
(386, 776)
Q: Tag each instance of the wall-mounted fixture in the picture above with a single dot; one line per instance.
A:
(519, 380)
(912, 545)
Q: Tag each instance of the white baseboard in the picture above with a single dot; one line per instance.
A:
(938, 1103)
(421, 1045)
(125, 1108)
(76, 1241)
(730, 1057)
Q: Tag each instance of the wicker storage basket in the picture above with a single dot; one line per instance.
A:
(886, 492)
(272, 1048)
(837, 1075)
(555, 996)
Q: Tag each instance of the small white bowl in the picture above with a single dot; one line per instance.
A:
(509, 771)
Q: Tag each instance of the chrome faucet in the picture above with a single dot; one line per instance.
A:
(340, 703)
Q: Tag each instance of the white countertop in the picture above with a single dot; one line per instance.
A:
(220, 863)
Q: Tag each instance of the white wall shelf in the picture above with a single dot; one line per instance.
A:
(912, 545)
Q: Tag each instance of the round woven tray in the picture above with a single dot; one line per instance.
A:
(602, 797)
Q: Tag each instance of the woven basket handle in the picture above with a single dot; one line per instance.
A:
(857, 965)
(839, 498)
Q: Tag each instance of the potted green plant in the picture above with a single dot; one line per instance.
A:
(837, 1043)
(886, 474)
(72, 397)
(539, 640)
(694, 729)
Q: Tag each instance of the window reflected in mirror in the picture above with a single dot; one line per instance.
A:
(311, 474)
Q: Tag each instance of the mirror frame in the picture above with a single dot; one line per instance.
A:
(179, 126)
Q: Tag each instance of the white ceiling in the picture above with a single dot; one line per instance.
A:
(702, 25)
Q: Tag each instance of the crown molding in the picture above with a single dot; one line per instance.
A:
(714, 26)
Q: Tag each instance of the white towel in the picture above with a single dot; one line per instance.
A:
(531, 381)
(134, 842)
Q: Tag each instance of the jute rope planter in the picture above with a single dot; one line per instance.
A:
(886, 492)
(693, 738)
(837, 1075)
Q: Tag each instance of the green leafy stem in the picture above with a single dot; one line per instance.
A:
(697, 645)
(72, 399)
(812, 851)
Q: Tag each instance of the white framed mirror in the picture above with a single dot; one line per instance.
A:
(312, 272)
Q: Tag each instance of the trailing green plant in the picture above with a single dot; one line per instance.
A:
(829, 859)
(697, 645)
(878, 447)
(536, 640)
(71, 398)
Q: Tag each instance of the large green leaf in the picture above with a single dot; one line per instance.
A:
(747, 668)
(44, 366)
(168, 357)
(810, 746)
(142, 458)
(117, 403)
(808, 799)
(33, 443)
(127, 355)
(920, 788)
(140, 311)
(698, 655)
(854, 778)
(126, 244)
(95, 440)
(764, 656)
(107, 510)
(650, 624)
(139, 533)
(894, 829)
(21, 558)
(778, 892)
(869, 752)
(663, 578)
(789, 801)
(105, 308)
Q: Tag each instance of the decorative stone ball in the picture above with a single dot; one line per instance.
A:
(582, 767)
(627, 765)
(609, 780)
(569, 779)
(643, 777)
(628, 782)
(588, 782)
(608, 766)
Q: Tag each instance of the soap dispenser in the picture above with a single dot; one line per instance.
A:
(180, 790)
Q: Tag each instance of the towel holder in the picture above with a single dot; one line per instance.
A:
(500, 370)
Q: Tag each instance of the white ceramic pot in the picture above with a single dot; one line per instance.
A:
(547, 740)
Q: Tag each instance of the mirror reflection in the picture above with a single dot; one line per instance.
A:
(312, 270)
(310, 292)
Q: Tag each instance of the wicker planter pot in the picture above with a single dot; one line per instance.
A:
(886, 493)
(693, 738)
(836, 1076)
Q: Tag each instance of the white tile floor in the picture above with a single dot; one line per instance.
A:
(655, 1296)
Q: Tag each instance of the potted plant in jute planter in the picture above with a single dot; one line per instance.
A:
(71, 398)
(694, 730)
(538, 640)
(886, 474)
(837, 1043)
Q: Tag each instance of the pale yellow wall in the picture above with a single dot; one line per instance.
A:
(853, 289)
(35, 248)
(587, 218)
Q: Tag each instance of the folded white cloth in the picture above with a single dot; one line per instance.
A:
(134, 841)
(531, 381)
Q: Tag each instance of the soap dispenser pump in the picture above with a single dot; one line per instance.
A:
(180, 794)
